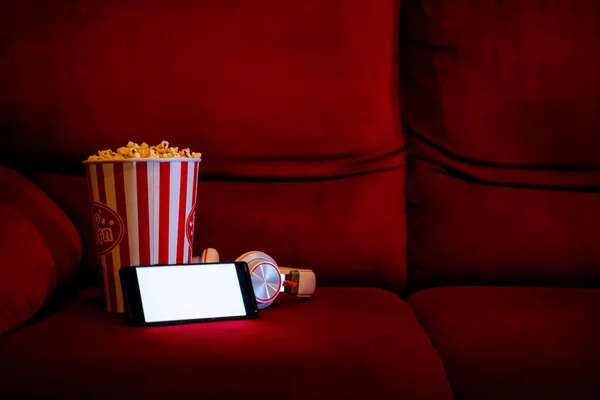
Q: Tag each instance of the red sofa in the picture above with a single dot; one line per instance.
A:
(435, 162)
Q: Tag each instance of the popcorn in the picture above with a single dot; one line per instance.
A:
(140, 151)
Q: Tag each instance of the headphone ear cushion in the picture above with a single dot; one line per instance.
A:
(209, 255)
(255, 255)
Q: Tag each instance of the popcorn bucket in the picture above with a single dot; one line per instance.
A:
(143, 213)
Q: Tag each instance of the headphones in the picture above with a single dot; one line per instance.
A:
(268, 279)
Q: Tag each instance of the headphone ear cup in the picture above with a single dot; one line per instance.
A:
(265, 275)
(209, 255)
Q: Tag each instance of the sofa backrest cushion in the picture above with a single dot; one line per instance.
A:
(501, 106)
(264, 89)
(297, 97)
(343, 229)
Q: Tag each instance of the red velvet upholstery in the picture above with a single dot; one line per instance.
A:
(330, 226)
(263, 88)
(345, 343)
(269, 90)
(57, 231)
(501, 106)
(40, 249)
(515, 342)
(295, 107)
(27, 270)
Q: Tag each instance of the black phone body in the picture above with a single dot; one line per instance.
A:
(159, 295)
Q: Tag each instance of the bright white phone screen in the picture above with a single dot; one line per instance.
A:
(190, 292)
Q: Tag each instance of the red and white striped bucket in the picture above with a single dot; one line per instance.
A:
(143, 214)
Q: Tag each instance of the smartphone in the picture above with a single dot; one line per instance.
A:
(186, 293)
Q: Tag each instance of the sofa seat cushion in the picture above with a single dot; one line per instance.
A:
(515, 342)
(344, 343)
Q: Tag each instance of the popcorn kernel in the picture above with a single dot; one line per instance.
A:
(136, 151)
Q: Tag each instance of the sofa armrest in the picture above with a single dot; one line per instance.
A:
(40, 249)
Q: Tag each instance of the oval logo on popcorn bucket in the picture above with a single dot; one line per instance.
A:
(108, 228)
(189, 226)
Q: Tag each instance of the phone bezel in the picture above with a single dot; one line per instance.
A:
(134, 310)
